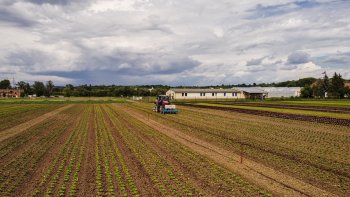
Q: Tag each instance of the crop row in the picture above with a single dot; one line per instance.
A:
(316, 152)
(112, 170)
(26, 156)
(62, 174)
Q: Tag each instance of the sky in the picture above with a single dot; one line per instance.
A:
(173, 42)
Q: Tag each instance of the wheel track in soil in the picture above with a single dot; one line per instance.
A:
(274, 181)
(24, 126)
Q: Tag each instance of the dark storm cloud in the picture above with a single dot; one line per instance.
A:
(94, 66)
(338, 59)
(298, 57)
(130, 63)
(27, 59)
(262, 11)
(15, 18)
(253, 62)
(54, 2)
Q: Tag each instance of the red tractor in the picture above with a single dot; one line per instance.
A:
(163, 106)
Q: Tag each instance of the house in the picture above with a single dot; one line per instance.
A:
(282, 92)
(10, 93)
(347, 85)
(204, 94)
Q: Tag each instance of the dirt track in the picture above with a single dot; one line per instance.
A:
(275, 181)
(22, 127)
(326, 120)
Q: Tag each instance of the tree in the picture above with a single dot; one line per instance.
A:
(24, 86)
(347, 92)
(337, 89)
(324, 86)
(49, 88)
(39, 88)
(306, 92)
(317, 89)
(5, 84)
(21, 85)
(305, 81)
(68, 90)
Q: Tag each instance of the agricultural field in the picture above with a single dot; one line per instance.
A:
(11, 114)
(126, 149)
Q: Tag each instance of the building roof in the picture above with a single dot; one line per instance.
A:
(281, 89)
(204, 90)
(251, 90)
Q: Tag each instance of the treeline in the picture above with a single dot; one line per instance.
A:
(326, 88)
(312, 88)
(48, 88)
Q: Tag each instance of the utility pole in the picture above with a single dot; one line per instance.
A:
(13, 82)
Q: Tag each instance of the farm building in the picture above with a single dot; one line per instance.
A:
(235, 93)
(204, 94)
(10, 93)
(252, 92)
(279, 92)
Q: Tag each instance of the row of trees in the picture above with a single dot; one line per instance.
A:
(48, 89)
(38, 88)
(326, 87)
(313, 88)
(113, 91)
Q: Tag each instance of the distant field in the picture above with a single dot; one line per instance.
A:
(64, 100)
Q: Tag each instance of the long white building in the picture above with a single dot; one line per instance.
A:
(204, 94)
(234, 93)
